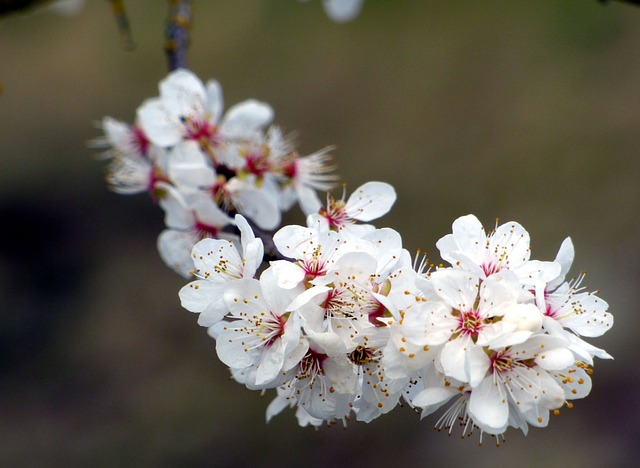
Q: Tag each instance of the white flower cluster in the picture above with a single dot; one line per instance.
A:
(348, 325)
(343, 323)
(203, 167)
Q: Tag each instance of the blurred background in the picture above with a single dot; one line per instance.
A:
(526, 111)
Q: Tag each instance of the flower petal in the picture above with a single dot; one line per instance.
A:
(370, 201)
(488, 407)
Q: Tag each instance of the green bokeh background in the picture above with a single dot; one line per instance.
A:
(526, 111)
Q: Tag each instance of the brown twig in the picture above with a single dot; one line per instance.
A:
(177, 33)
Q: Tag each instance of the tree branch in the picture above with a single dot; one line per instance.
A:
(177, 33)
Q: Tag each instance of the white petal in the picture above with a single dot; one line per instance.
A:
(457, 288)
(427, 324)
(430, 399)
(388, 243)
(575, 382)
(590, 317)
(244, 298)
(189, 168)
(509, 245)
(292, 240)
(488, 407)
(252, 247)
(177, 214)
(370, 201)
(159, 127)
(244, 119)
(217, 260)
(209, 213)
(453, 357)
(585, 350)
(468, 236)
(477, 364)
(565, 257)
(289, 274)
(276, 406)
(303, 298)
(555, 359)
(342, 374)
(118, 133)
(231, 347)
(271, 363)
(183, 94)
(215, 101)
(535, 272)
(524, 317)
(175, 250)
(200, 294)
(277, 298)
(261, 206)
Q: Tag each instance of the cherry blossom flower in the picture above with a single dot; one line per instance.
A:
(260, 333)
(517, 378)
(368, 202)
(314, 253)
(188, 220)
(302, 177)
(469, 315)
(136, 165)
(321, 384)
(505, 248)
(189, 110)
(570, 311)
(217, 263)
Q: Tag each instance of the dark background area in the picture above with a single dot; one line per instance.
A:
(526, 111)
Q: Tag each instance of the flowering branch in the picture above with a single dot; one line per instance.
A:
(177, 33)
(335, 315)
(342, 322)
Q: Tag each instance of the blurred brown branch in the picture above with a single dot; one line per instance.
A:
(177, 33)
(635, 2)
(10, 6)
(120, 13)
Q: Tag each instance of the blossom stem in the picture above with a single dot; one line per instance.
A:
(177, 33)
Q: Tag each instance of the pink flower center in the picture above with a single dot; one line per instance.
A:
(200, 130)
(311, 364)
(500, 362)
(257, 163)
(272, 328)
(550, 310)
(335, 213)
(290, 170)
(470, 323)
(314, 266)
(205, 230)
(155, 176)
(379, 312)
(490, 268)
(139, 141)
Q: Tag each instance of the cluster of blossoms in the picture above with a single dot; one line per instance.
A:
(342, 322)
(347, 324)
(203, 167)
